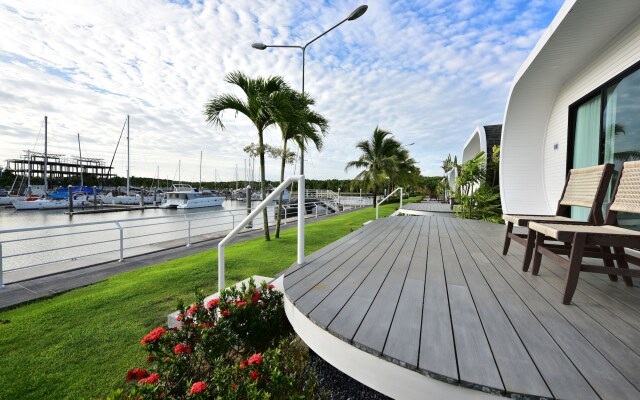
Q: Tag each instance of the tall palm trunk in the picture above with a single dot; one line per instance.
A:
(282, 166)
(375, 194)
(263, 185)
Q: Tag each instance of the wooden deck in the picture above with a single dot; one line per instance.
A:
(436, 295)
(430, 208)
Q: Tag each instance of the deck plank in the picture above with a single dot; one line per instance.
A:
(436, 295)
(560, 375)
(404, 334)
(476, 364)
(346, 262)
(325, 309)
(603, 377)
(437, 348)
(295, 274)
(518, 371)
(317, 269)
(347, 321)
(372, 332)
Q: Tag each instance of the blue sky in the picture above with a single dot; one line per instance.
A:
(428, 71)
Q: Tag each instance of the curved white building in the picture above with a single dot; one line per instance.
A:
(574, 102)
(483, 138)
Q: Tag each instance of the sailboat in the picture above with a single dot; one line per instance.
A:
(47, 203)
(127, 198)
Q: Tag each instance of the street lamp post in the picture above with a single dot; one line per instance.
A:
(355, 14)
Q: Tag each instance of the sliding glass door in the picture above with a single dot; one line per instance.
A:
(607, 130)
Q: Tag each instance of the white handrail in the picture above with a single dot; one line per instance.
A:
(390, 194)
(254, 214)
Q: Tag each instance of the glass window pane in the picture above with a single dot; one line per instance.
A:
(586, 144)
(622, 131)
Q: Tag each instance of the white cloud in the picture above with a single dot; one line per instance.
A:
(428, 71)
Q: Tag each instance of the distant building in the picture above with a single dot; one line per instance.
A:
(31, 165)
(483, 138)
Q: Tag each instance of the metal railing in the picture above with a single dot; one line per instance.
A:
(264, 204)
(43, 246)
(390, 194)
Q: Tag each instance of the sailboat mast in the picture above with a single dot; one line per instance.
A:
(200, 170)
(46, 157)
(128, 155)
(179, 178)
(80, 161)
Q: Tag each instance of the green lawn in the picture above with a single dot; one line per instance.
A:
(81, 343)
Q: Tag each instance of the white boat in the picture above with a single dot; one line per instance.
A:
(121, 199)
(6, 199)
(184, 196)
(39, 203)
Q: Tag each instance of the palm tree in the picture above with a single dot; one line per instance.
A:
(379, 159)
(302, 125)
(258, 107)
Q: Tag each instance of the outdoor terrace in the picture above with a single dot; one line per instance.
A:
(426, 307)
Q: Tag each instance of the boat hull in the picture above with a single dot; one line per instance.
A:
(44, 204)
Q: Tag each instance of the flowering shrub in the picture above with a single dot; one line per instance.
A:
(239, 346)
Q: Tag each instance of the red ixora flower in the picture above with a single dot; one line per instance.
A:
(225, 313)
(182, 348)
(153, 378)
(136, 373)
(192, 309)
(213, 304)
(241, 303)
(153, 336)
(254, 375)
(179, 317)
(198, 387)
(255, 297)
(243, 364)
(271, 286)
(234, 387)
(255, 359)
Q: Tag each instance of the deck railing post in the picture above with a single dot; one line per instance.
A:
(301, 208)
(253, 214)
(220, 267)
(188, 232)
(121, 240)
(1, 283)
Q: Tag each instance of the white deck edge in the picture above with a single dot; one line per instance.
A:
(383, 376)
(448, 214)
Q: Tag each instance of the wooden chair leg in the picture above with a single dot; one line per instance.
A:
(622, 263)
(528, 252)
(537, 256)
(609, 263)
(507, 239)
(575, 262)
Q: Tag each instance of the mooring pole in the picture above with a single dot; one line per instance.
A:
(248, 197)
(95, 197)
(70, 195)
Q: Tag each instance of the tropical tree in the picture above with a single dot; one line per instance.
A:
(262, 96)
(379, 159)
(302, 125)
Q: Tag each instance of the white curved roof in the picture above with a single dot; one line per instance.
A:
(580, 30)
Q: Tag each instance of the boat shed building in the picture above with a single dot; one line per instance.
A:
(575, 102)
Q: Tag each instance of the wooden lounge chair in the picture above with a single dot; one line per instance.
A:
(585, 240)
(585, 187)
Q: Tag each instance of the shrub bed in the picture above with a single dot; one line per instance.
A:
(238, 346)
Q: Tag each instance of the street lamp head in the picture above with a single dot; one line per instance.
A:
(259, 46)
(357, 13)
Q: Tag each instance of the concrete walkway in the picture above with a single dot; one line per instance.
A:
(31, 289)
